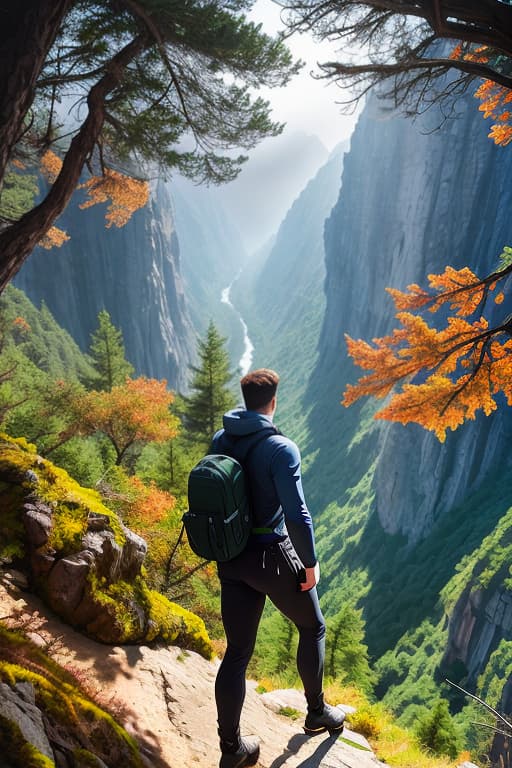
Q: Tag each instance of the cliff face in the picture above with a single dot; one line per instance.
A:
(133, 272)
(411, 202)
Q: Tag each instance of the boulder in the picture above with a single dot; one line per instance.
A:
(37, 520)
(17, 706)
(66, 583)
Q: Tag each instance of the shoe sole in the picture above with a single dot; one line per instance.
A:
(315, 731)
(244, 760)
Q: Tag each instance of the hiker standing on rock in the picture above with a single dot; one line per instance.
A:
(279, 561)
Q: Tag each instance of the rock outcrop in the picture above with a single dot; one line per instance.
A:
(164, 698)
(80, 557)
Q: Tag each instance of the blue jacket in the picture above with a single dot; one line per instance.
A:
(274, 473)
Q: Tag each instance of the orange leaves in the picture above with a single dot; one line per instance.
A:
(495, 99)
(463, 365)
(460, 288)
(147, 505)
(126, 195)
(54, 238)
(51, 165)
(134, 412)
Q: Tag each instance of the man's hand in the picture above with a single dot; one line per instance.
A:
(312, 578)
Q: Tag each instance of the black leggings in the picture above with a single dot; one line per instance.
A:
(245, 582)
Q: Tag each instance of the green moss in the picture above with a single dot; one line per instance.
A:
(72, 505)
(175, 624)
(165, 620)
(290, 712)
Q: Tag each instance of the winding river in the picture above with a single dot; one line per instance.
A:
(246, 359)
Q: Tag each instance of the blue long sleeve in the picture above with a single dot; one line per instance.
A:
(286, 474)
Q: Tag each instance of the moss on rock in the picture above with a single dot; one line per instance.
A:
(89, 568)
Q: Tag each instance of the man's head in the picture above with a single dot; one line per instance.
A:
(259, 390)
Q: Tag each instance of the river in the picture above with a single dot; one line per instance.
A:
(246, 359)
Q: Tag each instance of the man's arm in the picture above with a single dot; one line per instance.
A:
(286, 473)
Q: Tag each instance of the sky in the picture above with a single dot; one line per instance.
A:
(306, 104)
(279, 168)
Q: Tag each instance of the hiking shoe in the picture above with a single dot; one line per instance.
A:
(326, 718)
(246, 753)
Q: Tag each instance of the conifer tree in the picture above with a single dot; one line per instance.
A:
(347, 655)
(211, 395)
(107, 352)
(437, 732)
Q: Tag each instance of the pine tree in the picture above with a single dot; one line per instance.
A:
(107, 352)
(211, 396)
(437, 732)
(347, 655)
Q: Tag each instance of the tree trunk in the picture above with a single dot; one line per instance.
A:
(19, 239)
(28, 31)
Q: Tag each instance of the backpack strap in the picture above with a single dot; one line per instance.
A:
(262, 435)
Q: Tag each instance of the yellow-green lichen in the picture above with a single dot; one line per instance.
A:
(175, 624)
(164, 620)
(72, 505)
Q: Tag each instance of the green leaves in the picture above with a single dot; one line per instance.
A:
(194, 79)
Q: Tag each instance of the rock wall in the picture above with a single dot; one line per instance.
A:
(412, 200)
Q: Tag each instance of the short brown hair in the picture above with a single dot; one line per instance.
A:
(259, 387)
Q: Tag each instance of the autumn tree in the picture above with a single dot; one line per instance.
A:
(211, 394)
(129, 415)
(169, 84)
(440, 377)
(419, 53)
(108, 355)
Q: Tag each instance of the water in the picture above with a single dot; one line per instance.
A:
(246, 359)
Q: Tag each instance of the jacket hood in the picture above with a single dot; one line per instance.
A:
(241, 422)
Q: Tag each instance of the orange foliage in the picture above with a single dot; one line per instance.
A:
(134, 412)
(466, 363)
(54, 238)
(50, 165)
(494, 97)
(126, 195)
(148, 505)
(21, 324)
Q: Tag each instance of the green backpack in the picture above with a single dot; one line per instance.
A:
(219, 520)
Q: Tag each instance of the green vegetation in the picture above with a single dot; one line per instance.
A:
(436, 731)
(108, 355)
(211, 395)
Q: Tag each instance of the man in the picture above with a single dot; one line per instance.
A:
(279, 561)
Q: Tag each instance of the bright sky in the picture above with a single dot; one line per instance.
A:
(305, 104)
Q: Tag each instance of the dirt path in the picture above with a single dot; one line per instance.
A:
(164, 696)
